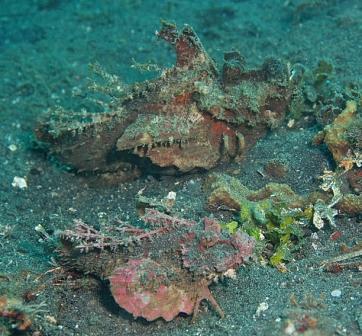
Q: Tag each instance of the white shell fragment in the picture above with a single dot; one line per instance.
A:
(170, 199)
(12, 147)
(19, 182)
(171, 195)
(261, 308)
(336, 293)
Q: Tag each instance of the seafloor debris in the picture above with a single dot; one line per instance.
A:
(343, 139)
(16, 317)
(324, 211)
(337, 135)
(351, 260)
(193, 116)
(161, 272)
(274, 214)
(304, 316)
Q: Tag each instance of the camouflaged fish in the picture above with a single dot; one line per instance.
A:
(193, 116)
(162, 271)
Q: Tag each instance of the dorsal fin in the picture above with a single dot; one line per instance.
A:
(190, 52)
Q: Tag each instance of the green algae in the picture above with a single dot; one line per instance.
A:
(276, 223)
(272, 215)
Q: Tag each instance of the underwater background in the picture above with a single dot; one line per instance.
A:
(52, 51)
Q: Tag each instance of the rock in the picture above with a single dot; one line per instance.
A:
(19, 182)
(335, 134)
(336, 293)
(350, 204)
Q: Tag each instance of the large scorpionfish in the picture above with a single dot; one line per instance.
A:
(192, 117)
(161, 272)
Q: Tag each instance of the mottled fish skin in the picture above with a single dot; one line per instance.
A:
(161, 272)
(191, 117)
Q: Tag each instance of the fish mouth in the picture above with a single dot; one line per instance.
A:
(168, 152)
(145, 149)
(201, 145)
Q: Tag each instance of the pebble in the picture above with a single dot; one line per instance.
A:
(261, 308)
(51, 319)
(290, 328)
(13, 147)
(336, 293)
(171, 196)
(314, 236)
(19, 182)
(291, 123)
